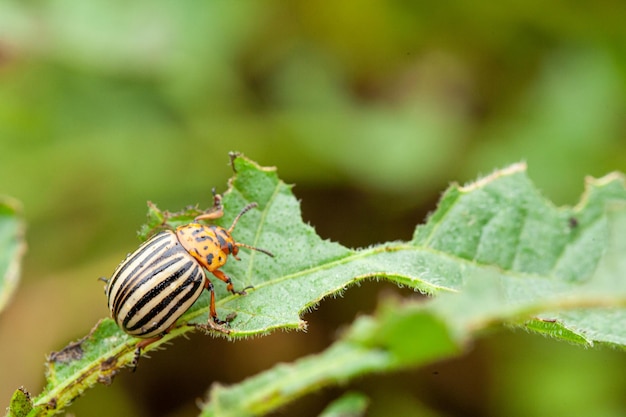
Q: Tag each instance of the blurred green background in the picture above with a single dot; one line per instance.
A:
(372, 108)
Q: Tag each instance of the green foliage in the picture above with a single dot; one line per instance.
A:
(21, 403)
(495, 253)
(12, 248)
(351, 404)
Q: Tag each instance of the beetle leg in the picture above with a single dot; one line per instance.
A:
(106, 283)
(229, 283)
(214, 322)
(214, 212)
(212, 311)
(144, 344)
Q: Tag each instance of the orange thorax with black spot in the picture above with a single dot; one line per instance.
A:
(210, 245)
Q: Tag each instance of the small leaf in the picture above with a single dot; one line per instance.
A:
(154, 220)
(351, 404)
(12, 248)
(21, 403)
(398, 336)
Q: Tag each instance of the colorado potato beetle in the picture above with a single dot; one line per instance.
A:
(155, 285)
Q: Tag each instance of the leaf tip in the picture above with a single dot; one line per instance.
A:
(21, 403)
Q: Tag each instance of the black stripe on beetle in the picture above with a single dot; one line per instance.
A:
(155, 246)
(142, 278)
(161, 291)
(167, 303)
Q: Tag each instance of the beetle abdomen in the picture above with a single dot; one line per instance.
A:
(154, 286)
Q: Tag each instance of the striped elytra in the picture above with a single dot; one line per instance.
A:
(154, 286)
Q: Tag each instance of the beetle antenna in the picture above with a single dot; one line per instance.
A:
(265, 251)
(232, 226)
(241, 213)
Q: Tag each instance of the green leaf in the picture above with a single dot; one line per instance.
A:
(503, 221)
(495, 249)
(410, 334)
(12, 248)
(351, 404)
(397, 337)
(21, 403)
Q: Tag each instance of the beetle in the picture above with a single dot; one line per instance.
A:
(155, 285)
